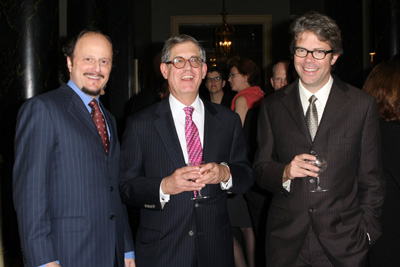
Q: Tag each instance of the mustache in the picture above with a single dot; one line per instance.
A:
(93, 74)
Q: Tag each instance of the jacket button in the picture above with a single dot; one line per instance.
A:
(312, 180)
(191, 233)
(196, 205)
(311, 210)
(112, 217)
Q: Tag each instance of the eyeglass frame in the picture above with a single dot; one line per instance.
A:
(231, 75)
(215, 79)
(185, 60)
(326, 52)
(280, 79)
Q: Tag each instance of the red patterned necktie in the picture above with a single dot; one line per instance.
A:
(100, 122)
(193, 143)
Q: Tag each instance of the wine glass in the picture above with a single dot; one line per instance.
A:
(197, 194)
(321, 163)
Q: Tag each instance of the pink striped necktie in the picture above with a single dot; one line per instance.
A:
(193, 143)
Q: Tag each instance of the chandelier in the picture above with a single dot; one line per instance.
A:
(224, 35)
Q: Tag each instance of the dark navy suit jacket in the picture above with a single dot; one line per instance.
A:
(65, 187)
(184, 232)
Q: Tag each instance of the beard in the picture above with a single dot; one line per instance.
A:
(94, 92)
(91, 92)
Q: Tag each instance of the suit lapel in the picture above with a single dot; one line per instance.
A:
(211, 123)
(336, 101)
(78, 110)
(165, 127)
(291, 101)
(111, 127)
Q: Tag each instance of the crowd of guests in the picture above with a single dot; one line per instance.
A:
(252, 156)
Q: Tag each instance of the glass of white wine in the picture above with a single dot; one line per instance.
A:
(322, 164)
(197, 194)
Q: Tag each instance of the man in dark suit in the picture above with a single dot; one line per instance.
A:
(335, 227)
(65, 177)
(175, 230)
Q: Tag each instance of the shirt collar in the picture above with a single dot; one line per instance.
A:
(85, 98)
(322, 94)
(178, 107)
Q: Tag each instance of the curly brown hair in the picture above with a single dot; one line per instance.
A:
(246, 66)
(383, 83)
(321, 25)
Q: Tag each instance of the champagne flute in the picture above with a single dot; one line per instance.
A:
(197, 194)
(322, 164)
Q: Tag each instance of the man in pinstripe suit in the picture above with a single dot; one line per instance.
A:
(65, 180)
(335, 227)
(175, 230)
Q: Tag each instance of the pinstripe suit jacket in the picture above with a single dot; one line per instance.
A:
(348, 135)
(184, 231)
(65, 187)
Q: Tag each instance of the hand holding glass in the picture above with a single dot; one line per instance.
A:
(197, 194)
(322, 164)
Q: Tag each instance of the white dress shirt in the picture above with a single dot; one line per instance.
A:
(322, 97)
(179, 116)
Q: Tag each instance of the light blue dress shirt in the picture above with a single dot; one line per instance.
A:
(86, 100)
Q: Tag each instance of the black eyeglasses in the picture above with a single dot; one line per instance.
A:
(215, 79)
(317, 54)
(180, 62)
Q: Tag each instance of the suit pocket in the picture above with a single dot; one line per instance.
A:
(338, 140)
(69, 224)
(352, 216)
(276, 218)
(355, 230)
(148, 236)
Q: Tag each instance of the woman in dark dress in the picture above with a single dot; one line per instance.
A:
(244, 78)
(215, 83)
(384, 84)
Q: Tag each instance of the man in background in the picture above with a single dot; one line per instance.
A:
(279, 77)
(66, 168)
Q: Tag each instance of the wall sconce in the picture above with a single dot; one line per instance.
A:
(213, 61)
(224, 35)
(372, 54)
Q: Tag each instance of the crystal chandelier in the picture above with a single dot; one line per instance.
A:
(224, 35)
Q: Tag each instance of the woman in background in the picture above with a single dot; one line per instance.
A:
(215, 82)
(243, 77)
(384, 84)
